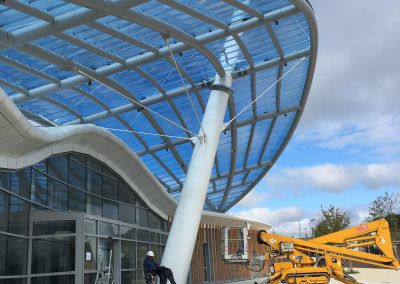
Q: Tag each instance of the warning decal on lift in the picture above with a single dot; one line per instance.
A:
(362, 228)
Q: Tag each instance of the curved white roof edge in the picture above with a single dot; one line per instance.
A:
(22, 144)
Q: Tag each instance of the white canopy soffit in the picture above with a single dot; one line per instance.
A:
(108, 63)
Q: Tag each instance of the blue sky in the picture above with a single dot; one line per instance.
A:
(346, 149)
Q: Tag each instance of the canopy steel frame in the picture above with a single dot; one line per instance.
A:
(125, 9)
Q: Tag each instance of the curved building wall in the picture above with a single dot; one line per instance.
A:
(76, 183)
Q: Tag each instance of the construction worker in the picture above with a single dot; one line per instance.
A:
(164, 273)
(149, 264)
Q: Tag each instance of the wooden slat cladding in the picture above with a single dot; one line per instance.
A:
(222, 271)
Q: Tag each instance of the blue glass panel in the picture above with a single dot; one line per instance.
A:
(259, 138)
(229, 53)
(48, 110)
(264, 6)
(174, 17)
(53, 7)
(293, 84)
(243, 135)
(12, 20)
(218, 10)
(37, 64)
(196, 65)
(136, 84)
(20, 78)
(133, 30)
(224, 152)
(73, 52)
(293, 33)
(279, 133)
(77, 102)
(242, 94)
(259, 44)
(264, 81)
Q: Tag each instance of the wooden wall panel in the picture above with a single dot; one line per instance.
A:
(222, 271)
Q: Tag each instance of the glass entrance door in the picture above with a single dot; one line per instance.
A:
(55, 247)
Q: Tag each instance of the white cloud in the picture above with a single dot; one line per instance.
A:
(284, 220)
(253, 199)
(336, 178)
(354, 100)
(289, 221)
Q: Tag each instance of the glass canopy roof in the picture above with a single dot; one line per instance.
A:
(106, 62)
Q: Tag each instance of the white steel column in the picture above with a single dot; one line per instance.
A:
(180, 245)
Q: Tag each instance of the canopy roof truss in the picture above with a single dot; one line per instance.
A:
(80, 61)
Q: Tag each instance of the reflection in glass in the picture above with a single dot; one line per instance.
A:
(55, 254)
(93, 205)
(127, 213)
(4, 180)
(76, 175)
(21, 182)
(90, 255)
(128, 233)
(3, 254)
(53, 228)
(110, 209)
(110, 188)
(154, 221)
(128, 277)
(18, 216)
(39, 187)
(4, 208)
(76, 200)
(57, 195)
(94, 182)
(142, 235)
(141, 217)
(59, 279)
(128, 255)
(125, 194)
(107, 229)
(90, 226)
(17, 255)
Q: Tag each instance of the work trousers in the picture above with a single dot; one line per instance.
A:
(167, 275)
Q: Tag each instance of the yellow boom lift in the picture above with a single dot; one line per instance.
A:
(315, 261)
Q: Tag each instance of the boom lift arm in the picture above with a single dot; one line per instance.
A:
(294, 265)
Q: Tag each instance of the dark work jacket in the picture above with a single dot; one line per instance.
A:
(149, 265)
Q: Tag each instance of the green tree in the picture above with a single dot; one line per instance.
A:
(387, 206)
(383, 206)
(333, 220)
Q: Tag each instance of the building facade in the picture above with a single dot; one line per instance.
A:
(61, 218)
(68, 217)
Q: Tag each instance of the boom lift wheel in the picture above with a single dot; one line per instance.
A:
(290, 280)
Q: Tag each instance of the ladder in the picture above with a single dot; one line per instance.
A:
(104, 275)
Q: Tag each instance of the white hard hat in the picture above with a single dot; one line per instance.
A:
(150, 253)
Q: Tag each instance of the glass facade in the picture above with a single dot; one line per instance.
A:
(116, 222)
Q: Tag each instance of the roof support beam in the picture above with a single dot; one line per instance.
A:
(164, 28)
(181, 91)
(239, 124)
(307, 10)
(187, 10)
(63, 22)
(150, 56)
(232, 165)
(27, 69)
(237, 172)
(28, 9)
(108, 82)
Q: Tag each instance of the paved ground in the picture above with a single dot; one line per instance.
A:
(365, 275)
